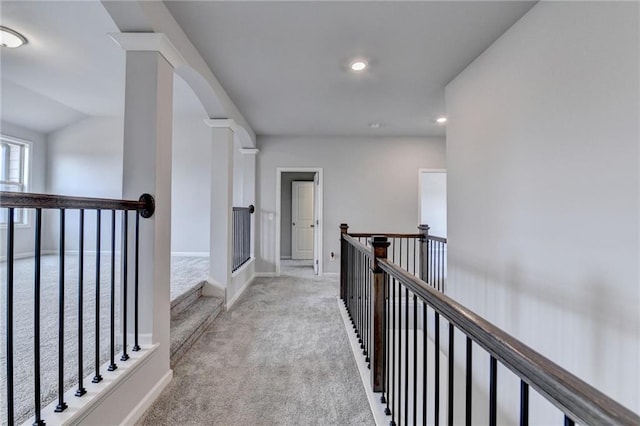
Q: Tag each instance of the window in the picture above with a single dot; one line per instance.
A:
(14, 161)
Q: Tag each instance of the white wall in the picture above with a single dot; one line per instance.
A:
(190, 183)
(85, 159)
(24, 235)
(543, 189)
(369, 183)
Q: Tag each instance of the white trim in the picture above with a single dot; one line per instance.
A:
(249, 151)
(264, 274)
(150, 42)
(79, 408)
(279, 172)
(332, 274)
(190, 253)
(222, 123)
(285, 257)
(242, 267)
(144, 404)
(241, 290)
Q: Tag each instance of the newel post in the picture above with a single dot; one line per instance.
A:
(380, 245)
(424, 252)
(343, 262)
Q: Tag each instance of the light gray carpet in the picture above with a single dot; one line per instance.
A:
(280, 356)
(185, 272)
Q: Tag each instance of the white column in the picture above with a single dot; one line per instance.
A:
(249, 187)
(221, 237)
(147, 168)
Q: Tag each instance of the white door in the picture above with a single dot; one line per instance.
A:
(302, 226)
(316, 237)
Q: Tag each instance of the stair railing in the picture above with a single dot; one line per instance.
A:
(388, 305)
(241, 235)
(38, 202)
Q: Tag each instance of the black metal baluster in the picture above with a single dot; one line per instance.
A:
(406, 354)
(125, 279)
(136, 346)
(97, 377)
(36, 318)
(61, 406)
(436, 368)
(568, 421)
(450, 373)
(493, 383)
(415, 359)
(384, 398)
(425, 366)
(81, 390)
(112, 364)
(9, 341)
(468, 390)
(399, 393)
(524, 403)
(392, 348)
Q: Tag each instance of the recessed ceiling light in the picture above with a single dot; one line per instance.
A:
(375, 125)
(441, 120)
(11, 38)
(358, 65)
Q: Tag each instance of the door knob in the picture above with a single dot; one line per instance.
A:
(311, 225)
(294, 224)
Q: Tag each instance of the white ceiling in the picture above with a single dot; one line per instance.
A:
(284, 64)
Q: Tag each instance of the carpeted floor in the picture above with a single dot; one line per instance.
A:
(185, 273)
(280, 356)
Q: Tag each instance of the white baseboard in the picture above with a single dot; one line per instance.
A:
(331, 274)
(264, 274)
(212, 288)
(285, 257)
(235, 298)
(149, 398)
(190, 254)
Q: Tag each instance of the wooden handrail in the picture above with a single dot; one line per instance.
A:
(145, 205)
(439, 239)
(358, 245)
(576, 398)
(388, 235)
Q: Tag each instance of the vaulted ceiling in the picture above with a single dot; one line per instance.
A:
(284, 64)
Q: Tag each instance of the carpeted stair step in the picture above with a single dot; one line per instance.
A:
(190, 323)
(186, 299)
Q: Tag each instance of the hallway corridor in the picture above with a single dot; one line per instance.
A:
(279, 356)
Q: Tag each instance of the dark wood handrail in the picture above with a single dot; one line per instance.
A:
(358, 245)
(250, 209)
(145, 205)
(388, 235)
(576, 398)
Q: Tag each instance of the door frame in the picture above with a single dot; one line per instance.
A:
(320, 198)
(420, 171)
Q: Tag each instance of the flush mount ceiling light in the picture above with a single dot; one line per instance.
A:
(441, 120)
(375, 125)
(358, 65)
(10, 38)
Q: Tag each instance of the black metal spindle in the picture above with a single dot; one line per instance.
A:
(415, 359)
(384, 398)
(136, 346)
(493, 383)
(406, 354)
(81, 389)
(125, 279)
(112, 364)
(97, 378)
(436, 370)
(468, 390)
(36, 318)
(392, 348)
(9, 313)
(61, 405)
(450, 378)
(425, 366)
(399, 394)
(524, 403)
(568, 421)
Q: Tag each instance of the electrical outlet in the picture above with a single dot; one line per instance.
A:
(332, 256)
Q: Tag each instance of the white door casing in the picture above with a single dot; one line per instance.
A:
(302, 220)
(316, 228)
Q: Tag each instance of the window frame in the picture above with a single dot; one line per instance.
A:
(25, 176)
